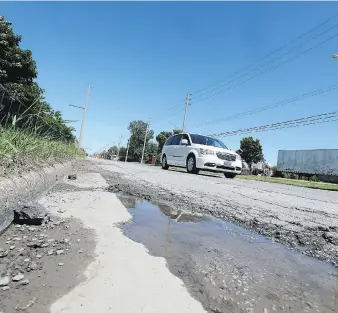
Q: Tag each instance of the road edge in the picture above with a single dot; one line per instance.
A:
(27, 186)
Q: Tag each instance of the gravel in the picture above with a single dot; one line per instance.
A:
(31, 270)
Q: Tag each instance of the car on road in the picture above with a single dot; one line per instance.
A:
(198, 152)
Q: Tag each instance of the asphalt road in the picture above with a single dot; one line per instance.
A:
(304, 219)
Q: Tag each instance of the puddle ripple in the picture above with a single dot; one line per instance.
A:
(228, 268)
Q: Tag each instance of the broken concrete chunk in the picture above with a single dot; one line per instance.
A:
(61, 210)
(34, 245)
(24, 282)
(59, 252)
(4, 281)
(5, 288)
(18, 277)
(31, 213)
(33, 266)
(3, 252)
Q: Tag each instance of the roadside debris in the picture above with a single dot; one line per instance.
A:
(4, 281)
(3, 252)
(31, 214)
(18, 277)
(29, 304)
(72, 177)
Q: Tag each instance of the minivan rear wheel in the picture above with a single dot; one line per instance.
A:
(191, 164)
(229, 175)
(165, 165)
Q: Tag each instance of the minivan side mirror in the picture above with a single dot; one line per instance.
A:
(184, 142)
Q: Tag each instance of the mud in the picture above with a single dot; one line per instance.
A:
(229, 269)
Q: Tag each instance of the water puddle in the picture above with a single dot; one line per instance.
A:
(228, 268)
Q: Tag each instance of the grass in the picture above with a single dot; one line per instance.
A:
(293, 182)
(22, 150)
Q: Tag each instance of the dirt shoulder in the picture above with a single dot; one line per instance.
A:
(63, 249)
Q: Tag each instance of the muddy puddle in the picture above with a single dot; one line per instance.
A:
(229, 269)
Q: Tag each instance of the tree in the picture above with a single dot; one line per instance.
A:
(150, 151)
(251, 151)
(138, 130)
(123, 152)
(113, 150)
(17, 72)
(22, 102)
(161, 138)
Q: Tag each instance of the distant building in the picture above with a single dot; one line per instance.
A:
(262, 167)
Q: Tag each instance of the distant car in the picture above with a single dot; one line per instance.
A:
(198, 152)
(114, 157)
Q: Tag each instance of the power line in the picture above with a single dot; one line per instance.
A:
(310, 120)
(175, 109)
(271, 106)
(267, 70)
(269, 54)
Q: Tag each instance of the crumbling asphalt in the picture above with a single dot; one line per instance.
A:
(305, 220)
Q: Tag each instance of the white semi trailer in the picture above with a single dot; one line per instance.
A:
(323, 162)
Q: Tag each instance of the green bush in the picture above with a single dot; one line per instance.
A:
(277, 173)
(293, 176)
(314, 178)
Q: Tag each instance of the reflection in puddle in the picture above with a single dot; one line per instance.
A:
(228, 268)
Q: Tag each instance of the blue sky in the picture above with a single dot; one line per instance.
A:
(141, 59)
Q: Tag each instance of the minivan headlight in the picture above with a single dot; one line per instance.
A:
(206, 151)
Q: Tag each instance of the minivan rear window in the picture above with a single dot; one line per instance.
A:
(207, 141)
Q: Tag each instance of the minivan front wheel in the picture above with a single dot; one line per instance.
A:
(191, 164)
(165, 165)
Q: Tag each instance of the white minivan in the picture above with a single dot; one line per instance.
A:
(198, 152)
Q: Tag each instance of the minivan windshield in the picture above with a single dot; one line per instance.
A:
(207, 141)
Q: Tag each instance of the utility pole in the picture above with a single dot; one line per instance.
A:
(125, 160)
(144, 143)
(84, 116)
(187, 99)
(118, 151)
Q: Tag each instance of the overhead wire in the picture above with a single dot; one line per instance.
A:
(270, 106)
(174, 110)
(271, 53)
(314, 119)
(265, 71)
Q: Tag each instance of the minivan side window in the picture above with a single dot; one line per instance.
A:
(176, 140)
(185, 136)
(169, 141)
